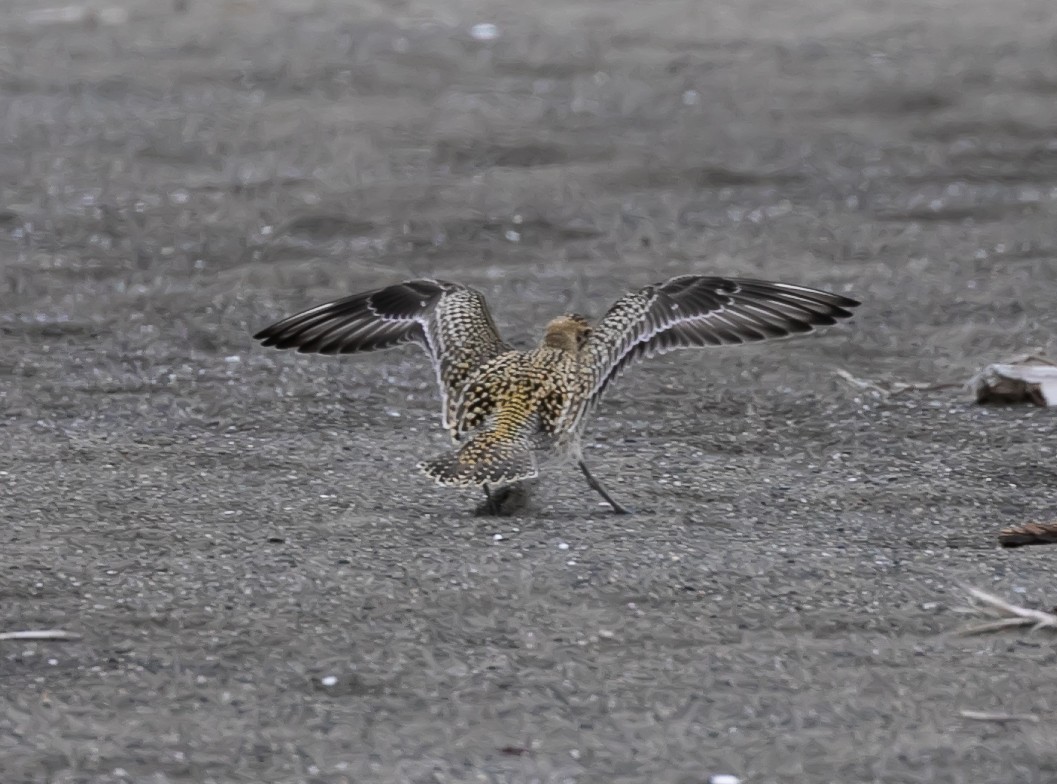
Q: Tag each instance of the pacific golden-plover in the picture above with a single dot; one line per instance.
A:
(504, 408)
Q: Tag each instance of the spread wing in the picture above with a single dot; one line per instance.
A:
(450, 321)
(693, 311)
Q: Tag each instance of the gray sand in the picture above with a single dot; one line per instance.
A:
(268, 591)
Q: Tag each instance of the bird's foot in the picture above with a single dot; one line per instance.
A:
(504, 501)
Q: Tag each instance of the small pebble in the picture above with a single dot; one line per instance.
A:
(485, 31)
(723, 778)
(329, 680)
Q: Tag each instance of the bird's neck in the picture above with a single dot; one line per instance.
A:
(560, 340)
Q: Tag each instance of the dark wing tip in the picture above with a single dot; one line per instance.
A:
(274, 335)
(795, 302)
(840, 305)
(362, 322)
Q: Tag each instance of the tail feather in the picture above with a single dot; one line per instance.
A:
(486, 459)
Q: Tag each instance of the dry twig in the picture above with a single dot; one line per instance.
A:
(990, 716)
(1008, 616)
(890, 388)
(41, 634)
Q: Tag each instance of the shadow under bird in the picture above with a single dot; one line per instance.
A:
(505, 409)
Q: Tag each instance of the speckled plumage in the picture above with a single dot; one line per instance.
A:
(505, 407)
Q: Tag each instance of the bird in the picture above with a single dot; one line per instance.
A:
(506, 410)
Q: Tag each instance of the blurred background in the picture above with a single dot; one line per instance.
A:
(268, 590)
(279, 145)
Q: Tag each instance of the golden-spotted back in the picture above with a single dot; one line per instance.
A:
(517, 392)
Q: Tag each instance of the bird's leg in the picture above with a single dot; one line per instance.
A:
(494, 501)
(491, 504)
(597, 487)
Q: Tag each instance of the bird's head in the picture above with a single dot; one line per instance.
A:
(568, 332)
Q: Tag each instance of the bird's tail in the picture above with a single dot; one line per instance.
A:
(486, 459)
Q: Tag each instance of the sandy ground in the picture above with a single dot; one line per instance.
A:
(267, 590)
